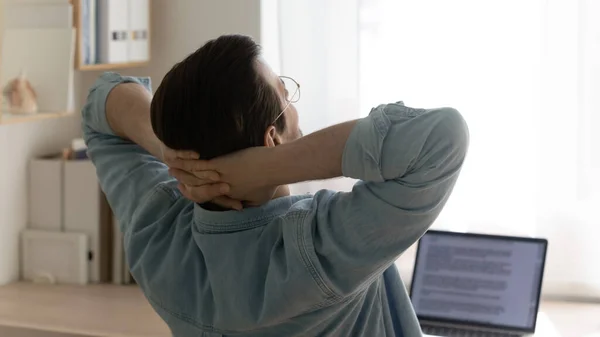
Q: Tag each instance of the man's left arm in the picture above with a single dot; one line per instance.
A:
(127, 166)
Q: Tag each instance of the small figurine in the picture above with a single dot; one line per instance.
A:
(20, 96)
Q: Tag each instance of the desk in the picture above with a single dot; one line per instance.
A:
(92, 310)
(122, 311)
(571, 319)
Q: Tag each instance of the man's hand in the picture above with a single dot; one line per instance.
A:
(135, 126)
(244, 172)
(202, 186)
(253, 175)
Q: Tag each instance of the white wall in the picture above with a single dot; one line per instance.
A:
(18, 143)
(178, 28)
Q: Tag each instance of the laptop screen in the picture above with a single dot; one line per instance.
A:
(482, 280)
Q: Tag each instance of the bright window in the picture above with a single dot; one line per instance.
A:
(525, 75)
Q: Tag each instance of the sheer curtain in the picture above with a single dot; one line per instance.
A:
(526, 76)
(316, 43)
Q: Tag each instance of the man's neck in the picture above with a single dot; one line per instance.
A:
(282, 191)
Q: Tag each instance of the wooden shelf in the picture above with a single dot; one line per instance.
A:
(109, 66)
(7, 118)
(93, 310)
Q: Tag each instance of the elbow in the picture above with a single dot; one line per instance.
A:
(455, 132)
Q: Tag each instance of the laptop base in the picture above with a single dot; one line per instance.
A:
(438, 331)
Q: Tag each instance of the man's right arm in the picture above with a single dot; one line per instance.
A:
(408, 162)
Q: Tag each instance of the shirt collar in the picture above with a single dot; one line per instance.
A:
(229, 221)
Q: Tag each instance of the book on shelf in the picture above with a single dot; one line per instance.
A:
(120, 269)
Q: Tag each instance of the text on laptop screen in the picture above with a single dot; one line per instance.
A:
(477, 279)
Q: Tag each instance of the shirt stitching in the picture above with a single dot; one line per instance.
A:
(380, 121)
(234, 226)
(309, 265)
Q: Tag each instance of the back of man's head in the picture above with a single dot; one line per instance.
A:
(216, 101)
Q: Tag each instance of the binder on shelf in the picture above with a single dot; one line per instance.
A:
(92, 33)
(85, 31)
(106, 235)
(46, 194)
(127, 278)
(113, 31)
(88, 31)
(139, 30)
(54, 257)
(82, 209)
(118, 257)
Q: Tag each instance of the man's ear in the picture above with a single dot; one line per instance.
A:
(272, 138)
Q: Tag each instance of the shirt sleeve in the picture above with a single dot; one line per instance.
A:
(408, 161)
(127, 173)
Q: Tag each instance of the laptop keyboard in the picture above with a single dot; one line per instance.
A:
(456, 332)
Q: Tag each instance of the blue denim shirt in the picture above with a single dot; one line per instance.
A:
(320, 265)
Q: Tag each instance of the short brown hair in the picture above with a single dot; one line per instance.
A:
(215, 101)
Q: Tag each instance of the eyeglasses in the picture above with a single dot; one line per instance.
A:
(289, 83)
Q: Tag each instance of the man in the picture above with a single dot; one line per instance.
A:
(279, 265)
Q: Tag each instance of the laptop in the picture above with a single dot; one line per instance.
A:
(471, 285)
